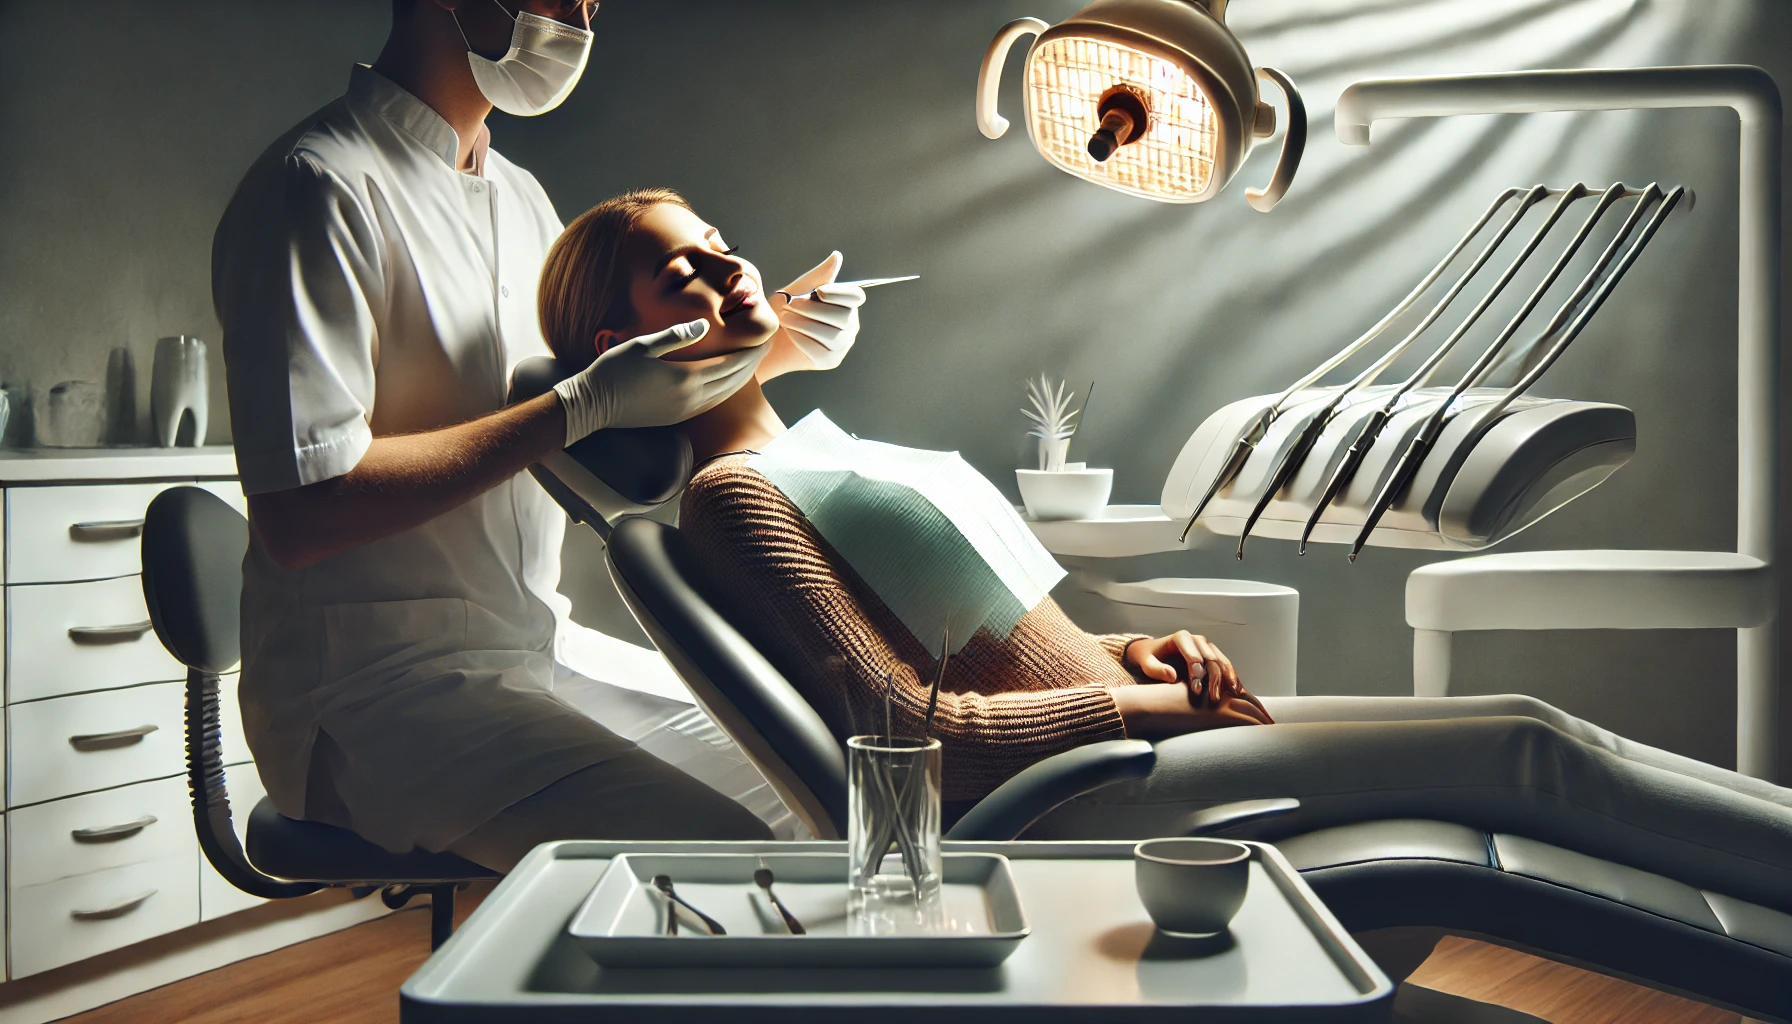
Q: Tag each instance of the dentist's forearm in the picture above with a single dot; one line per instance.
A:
(404, 481)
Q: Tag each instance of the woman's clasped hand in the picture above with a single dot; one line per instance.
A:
(1210, 695)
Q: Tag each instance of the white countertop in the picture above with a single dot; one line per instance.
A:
(47, 465)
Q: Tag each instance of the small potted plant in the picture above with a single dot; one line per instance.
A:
(1059, 489)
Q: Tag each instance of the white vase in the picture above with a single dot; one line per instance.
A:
(72, 415)
(177, 389)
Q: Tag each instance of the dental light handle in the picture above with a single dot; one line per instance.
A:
(989, 77)
(1294, 138)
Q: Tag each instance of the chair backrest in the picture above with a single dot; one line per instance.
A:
(193, 547)
(750, 699)
(612, 473)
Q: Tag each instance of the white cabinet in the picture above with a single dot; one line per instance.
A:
(98, 826)
(76, 637)
(91, 741)
(70, 919)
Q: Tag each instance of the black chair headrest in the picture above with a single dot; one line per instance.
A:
(193, 547)
(645, 465)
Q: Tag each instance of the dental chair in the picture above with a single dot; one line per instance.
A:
(1398, 885)
(193, 547)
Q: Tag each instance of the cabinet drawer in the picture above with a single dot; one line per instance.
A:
(60, 922)
(84, 531)
(94, 741)
(216, 896)
(80, 835)
(78, 532)
(73, 637)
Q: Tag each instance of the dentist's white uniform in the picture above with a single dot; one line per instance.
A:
(366, 286)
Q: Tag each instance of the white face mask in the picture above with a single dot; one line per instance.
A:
(545, 60)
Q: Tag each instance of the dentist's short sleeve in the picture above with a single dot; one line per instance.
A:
(297, 281)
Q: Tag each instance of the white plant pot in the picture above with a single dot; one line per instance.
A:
(1066, 494)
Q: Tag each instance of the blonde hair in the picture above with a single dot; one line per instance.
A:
(585, 279)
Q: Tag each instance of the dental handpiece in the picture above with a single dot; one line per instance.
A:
(870, 282)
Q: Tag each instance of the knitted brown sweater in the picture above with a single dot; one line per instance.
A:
(1004, 703)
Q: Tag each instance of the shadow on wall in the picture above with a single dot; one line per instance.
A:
(804, 126)
(1179, 310)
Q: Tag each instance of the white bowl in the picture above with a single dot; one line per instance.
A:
(1065, 494)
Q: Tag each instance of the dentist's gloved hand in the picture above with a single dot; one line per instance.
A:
(814, 333)
(631, 386)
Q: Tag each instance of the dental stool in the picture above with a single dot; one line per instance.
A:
(193, 547)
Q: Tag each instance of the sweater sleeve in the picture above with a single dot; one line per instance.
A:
(800, 605)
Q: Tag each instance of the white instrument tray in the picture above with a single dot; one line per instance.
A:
(1092, 956)
(623, 921)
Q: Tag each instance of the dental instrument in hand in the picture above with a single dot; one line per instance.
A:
(874, 282)
(1414, 456)
(762, 877)
(1366, 437)
(1253, 433)
(664, 884)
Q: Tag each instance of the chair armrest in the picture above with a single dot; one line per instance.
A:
(1025, 798)
(1218, 819)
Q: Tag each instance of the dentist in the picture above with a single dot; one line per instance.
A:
(375, 275)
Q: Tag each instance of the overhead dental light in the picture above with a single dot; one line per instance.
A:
(1153, 98)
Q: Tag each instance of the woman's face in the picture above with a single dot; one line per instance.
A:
(683, 271)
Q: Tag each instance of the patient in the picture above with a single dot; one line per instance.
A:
(644, 261)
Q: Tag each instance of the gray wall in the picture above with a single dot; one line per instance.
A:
(800, 127)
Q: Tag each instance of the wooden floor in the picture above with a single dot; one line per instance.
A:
(367, 963)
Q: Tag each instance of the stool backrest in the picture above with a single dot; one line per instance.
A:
(747, 696)
(193, 547)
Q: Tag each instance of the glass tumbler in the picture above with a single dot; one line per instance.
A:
(893, 835)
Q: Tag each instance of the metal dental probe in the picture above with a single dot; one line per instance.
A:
(870, 282)
(1248, 439)
(1414, 456)
(1309, 436)
(1491, 414)
(1365, 439)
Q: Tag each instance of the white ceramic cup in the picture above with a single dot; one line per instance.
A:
(1066, 493)
(1191, 886)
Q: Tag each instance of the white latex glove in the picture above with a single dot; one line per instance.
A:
(631, 386)
(823, 328)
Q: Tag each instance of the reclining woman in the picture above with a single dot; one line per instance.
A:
(644, 261)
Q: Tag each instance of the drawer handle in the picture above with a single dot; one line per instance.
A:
(106, 529)
(108, 740)
(108, 833)
(109, 634)
(119, 909)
